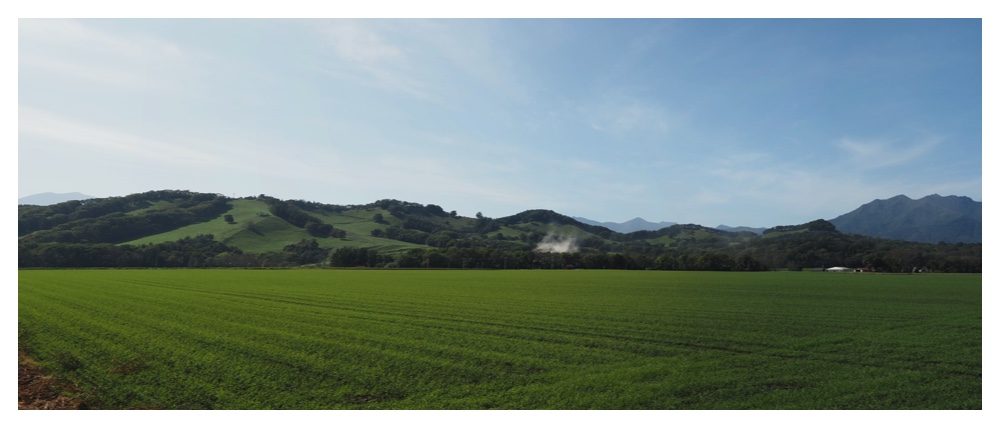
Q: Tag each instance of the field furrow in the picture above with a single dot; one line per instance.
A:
(329, 339)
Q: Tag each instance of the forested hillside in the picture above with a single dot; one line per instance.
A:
(187, 229)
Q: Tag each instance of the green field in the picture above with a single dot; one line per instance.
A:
(388, 339)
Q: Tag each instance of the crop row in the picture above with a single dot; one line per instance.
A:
(524, 339)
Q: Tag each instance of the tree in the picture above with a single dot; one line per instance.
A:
(305, 252)
(229, 218)
(874, 261)
(746, 263)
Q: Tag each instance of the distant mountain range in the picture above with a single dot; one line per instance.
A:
(930, 219)
(634, 225)
(49, 198)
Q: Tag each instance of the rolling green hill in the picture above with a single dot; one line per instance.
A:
(255, 229)
(183, 228)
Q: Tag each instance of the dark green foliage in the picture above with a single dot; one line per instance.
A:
(406, 235)
(552, 217)
(200, 251)
(401, 209)
(356, 257)
(32, 218)
(306, 252)
(813, 226)
(110, 220)
(419, 224)
(291, 212)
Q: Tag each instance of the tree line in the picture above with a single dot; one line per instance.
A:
(190, 252)
(792, 254)
(83, 234)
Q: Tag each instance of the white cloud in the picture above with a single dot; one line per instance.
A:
(73, 49)
(426, 59)
(621, 115)
(74, 135)
(473, 48)
(577, 165)
(74, 34)
(369, 58)
(74, 138)
(358, 44)
(872, 154)
(100, 73)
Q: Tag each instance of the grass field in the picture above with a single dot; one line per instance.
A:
(347, 339)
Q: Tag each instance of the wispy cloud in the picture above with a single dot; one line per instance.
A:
(75, 34)
(358, 44)
(368, 57)
(76, 135)
(85, 140)
(477, 52)
(73, 49)
(426, 59)
(621, 115)
(872, 154)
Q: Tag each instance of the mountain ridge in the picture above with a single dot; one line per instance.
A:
(633, 225)
(931, 219)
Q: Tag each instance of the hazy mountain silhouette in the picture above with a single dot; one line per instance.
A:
(49, 198)
(930, 219)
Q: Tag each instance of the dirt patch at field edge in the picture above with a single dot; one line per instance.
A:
(38, 391)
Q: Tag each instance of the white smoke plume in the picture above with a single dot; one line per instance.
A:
(557, 244)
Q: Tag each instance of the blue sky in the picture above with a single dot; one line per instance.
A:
(754, 122)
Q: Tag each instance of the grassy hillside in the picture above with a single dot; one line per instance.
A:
(682, 236)
(254, 230)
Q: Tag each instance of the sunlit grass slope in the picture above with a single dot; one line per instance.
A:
(252, 232)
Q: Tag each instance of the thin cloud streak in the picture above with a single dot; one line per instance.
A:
(75, 35)
(624, 116)
(368, 58)
(873, 154)
(85, 140)
(74, 135)
(74, 49)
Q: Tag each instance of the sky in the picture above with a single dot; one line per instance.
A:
(741, 122)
